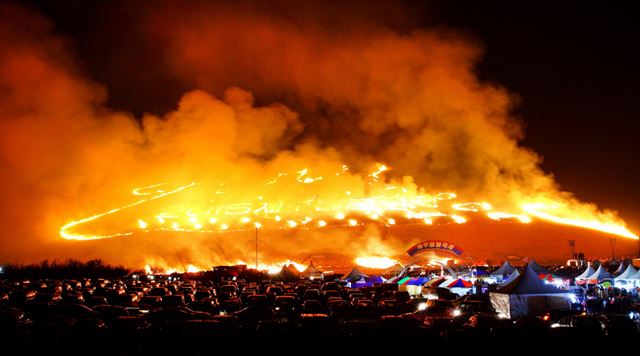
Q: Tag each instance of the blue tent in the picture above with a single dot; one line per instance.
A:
(418, 281)
(371, 280)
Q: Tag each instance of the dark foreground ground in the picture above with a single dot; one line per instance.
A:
(157, 317)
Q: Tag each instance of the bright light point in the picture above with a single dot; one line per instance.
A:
(197, 226)
(456, 312)
(160, 219)
(245, 219)
(348, 192)
(353, 222)
(422, 306)
(175, 226)
(428, 221)
(193, 219)
(292, 223)
(142, 224)
(257, 225)
(391, 221)
(192, 269)
(458, 219)
(340, 216)
(322, 223)
(224, 227)
(213, 220)
(278, 218)
(374, 216)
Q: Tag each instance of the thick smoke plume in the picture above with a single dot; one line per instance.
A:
(273, 91)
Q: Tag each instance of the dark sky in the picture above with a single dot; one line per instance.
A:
(574, 66)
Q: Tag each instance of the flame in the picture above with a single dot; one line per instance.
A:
(385, 203)
(377, 262)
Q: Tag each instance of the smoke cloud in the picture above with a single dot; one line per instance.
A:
(271, 91)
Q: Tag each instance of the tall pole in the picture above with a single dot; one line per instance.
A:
(612, 242)
(572, 245)
(256, 248)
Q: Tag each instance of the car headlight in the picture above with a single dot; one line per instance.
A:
(456, 312)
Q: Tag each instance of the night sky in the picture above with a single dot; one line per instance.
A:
(574, 67)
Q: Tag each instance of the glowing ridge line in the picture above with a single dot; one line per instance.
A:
(71, 236)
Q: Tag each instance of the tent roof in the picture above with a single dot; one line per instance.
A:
(621, 268)
(505, 269)
(628, 273)
(395, 269)
(311, 269)
(374, 279)
(537, 268)
(529, 283)
(289, 269)
(511, 278)
(435, 282)
(600, 274)
(635, 276)
(459, 283)
(587, 272)
(354, 274)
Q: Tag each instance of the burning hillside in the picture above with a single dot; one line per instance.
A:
(294, 156)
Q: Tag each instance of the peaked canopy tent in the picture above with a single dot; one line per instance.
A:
(621, 268)
(538, 269)
(289, 271)
(458, 286)
(528, 295)
(599, 276)
(355, 277)
(311, 272)
(504, 271)
(511, 278)
(457, 283)
(584, 276)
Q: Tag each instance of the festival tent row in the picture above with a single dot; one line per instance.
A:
(528, 295)
(591, 276)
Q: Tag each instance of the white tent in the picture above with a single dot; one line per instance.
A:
(624, 280)
(585, 275)
(528, 295)
(599, 275)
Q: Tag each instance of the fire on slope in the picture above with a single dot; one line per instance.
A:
(302, 200)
